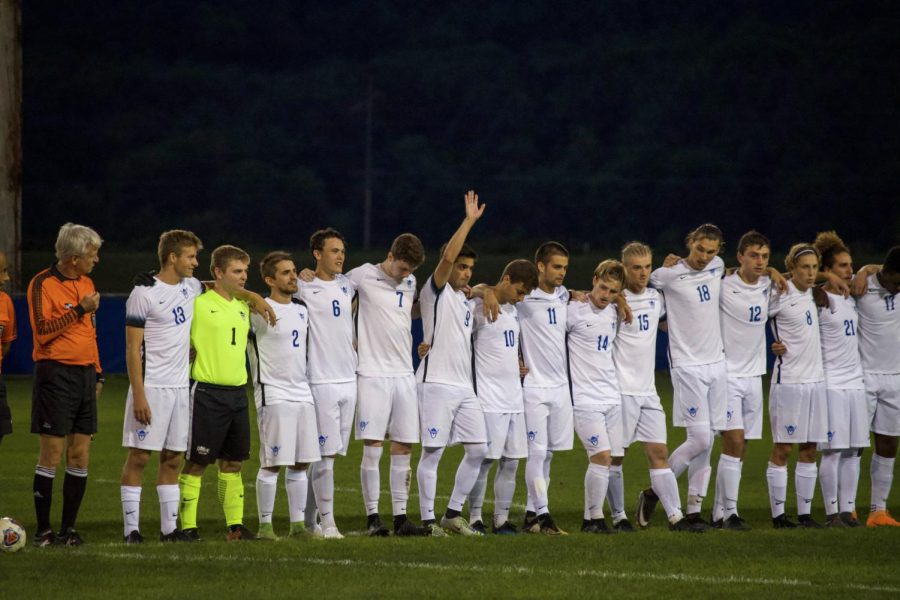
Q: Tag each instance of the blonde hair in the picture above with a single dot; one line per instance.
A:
(176, 240)
(74, 240)
(635, 249)
(798, 250)
(610, 269)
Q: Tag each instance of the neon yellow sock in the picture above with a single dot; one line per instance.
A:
(189, 486)
(231, 495)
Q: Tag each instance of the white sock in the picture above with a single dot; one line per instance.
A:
(426, 476)
(596, 484)
(266, 482)
(311, 513)
(615, 493)
(168, 507)
(828, 480)
(777, 478)
(848, 479)
(297, 485)
(323, 490)
(699, 473)
(729, 472)
(131, 508)
(479, 490)
(547, 460)
(537, 485)
(466, 474)
(882, 475)
(400, 476)
(370, 478)
(805, 484)
(697, 442)
(504, 489)
(665, 486)
(718, 509)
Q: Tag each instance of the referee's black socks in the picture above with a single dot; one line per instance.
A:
(74, 485)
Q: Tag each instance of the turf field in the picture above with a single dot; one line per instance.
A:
(836, 563)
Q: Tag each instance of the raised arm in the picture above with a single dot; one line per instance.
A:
(454, 246)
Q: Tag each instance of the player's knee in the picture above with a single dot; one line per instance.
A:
(476, 452)
(601, 458)
(137, 459)
(230, 466)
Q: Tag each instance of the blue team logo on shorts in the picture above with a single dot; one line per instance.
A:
(323, 439)
(489, 443)
(142, 433)
(275, 450)
(790, 429)
(594, 440)
(728, 415)
(532, 435)
(433, 432)
(362, 425)
(692, 411)
(830, 436)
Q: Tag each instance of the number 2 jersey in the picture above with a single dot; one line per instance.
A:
(165, 313)
(278, 355)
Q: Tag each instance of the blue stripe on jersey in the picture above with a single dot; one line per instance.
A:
(134, 321)
(778, 359)
(569, 372)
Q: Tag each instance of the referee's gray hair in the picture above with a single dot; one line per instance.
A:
(75, 240)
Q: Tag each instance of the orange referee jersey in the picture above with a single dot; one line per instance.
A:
(7, 319)
(62, 330)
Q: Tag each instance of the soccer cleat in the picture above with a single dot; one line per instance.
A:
(734, 523)
(239, 533)
(409, 529)
(329, 533)
(624, 526)
(881, 518)
(646, 504)
(193, 533)
(782, 522)
(298, 530)
(588, 526)
(697, 521)
(314, 530)
(70, 537)
(134, 537)
(835, 522)
(459, 526)
(717, 524)
(266, 533)
(478, 526)
(434, 530)
(531, 525)
(178, 535)
(597, 526)
(682, 524)
(506, 529)
(807, 522)
(375, 528)
(850, 519)
(45, 539)
(548, 525)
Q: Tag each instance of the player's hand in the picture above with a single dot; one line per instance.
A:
(578, 296)
(306, 275)
(836, 283)
(779, 280)
(671, 260)
(141, 409)
(192, 354)
(473, 211)
(467, 290)
(261, 307)
(145, 279)
(523, 370)
(99, 390)
(422, 350)
(91, 302)
(778, 349)
(860, 283)
(490, 305)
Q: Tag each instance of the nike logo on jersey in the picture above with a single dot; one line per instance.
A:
(735, 292)
(793, 304)
(316, 292)
(162, 301)
(682, 277)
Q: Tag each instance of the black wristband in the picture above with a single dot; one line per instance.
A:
(80, 310)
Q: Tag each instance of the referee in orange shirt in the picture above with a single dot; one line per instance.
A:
(62, 301)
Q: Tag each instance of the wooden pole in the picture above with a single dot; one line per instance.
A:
(11, 137)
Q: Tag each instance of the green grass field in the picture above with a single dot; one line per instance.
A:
(837, 563)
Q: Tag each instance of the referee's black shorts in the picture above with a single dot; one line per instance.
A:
(64, 399)
(220, 424)
(5, 413)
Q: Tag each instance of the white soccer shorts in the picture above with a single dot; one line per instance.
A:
(701, 395)
(506, 435)
(643, 420)
(548, 418)
(745, 406)
(883, 399)
(449, 412)
(288, 434)
(170, 420)
(848, 420)
(600, 429)
(798, 412)
(335, 406)
(387, 406)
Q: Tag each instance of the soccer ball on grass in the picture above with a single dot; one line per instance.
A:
(12, 535)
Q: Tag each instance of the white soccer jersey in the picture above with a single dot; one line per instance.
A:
(840, 347)
(332, 358)
(447, 328)
(635, 350)
(164, 312)
(592, 332)
(692, 306)
(542, 319)
(745, 310)
(879, 329)
(496, 345)
(383, 321)
(278, 355)
(795, 323)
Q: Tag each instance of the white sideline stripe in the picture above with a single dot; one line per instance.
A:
(677, 577)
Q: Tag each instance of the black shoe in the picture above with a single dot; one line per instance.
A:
(624, 526)
(239, 533)
(782, 522)
(192, 533)
(806, 522)
(683, 525)
(697, 521)
(375, 528)
(717, 524)
(646, 504)
(735, 523)
(588, 526)
(407, 529)
(178, 535)
(531, 525)
(478, 526)
(46, 539)
(134, 537)
(850, 520)
(835, 522)
(70, 537)
(548, 525)
(506, 529)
